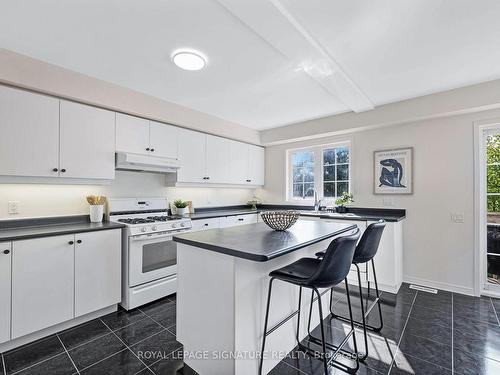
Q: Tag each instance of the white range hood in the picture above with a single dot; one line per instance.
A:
(145, 163)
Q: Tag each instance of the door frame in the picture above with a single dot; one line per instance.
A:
(480, 209)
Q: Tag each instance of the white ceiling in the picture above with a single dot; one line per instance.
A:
(271, 62)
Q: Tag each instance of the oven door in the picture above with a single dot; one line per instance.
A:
(151, 257)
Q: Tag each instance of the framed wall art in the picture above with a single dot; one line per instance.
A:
(393, 171)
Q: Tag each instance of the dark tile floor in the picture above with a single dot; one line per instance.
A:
(423, 333)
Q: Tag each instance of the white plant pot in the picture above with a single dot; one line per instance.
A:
(182, 211)
(96, 212)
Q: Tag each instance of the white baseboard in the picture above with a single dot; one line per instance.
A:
(439, 285)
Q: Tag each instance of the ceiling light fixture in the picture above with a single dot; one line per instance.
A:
(189, 59)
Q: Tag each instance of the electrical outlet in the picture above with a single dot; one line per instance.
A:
(13, 207)
(457, 218)
(388, 202)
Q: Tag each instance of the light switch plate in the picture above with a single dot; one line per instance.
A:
(13, 207)
(457, 218)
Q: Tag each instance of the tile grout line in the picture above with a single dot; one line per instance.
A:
(123, 342)
(4, 367)
(154, 320)
(67, 353)
(495, 311)
(452, 334)
(101, 360)
(289, 365)
(35, 364)
(402, 333)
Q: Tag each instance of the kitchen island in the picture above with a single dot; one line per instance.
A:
(222, 290)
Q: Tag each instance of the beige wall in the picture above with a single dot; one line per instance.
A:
(53, 200)
(436, 252)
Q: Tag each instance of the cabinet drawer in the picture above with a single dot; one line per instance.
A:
(205, 224)
(231, 221)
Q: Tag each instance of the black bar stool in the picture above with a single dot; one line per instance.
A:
(314, 273)
(365, 252)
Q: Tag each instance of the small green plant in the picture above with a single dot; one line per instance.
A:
(345, 199)
(179, 203)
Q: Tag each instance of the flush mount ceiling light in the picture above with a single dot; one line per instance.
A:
(189, 59)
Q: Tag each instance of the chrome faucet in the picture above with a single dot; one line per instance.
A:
(317, 201)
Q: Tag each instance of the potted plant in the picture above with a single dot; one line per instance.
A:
(96, 207)
(181, 207)
(342, 201)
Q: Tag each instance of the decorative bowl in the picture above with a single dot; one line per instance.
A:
(280, 220)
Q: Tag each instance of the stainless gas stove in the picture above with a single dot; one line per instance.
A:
(149, 255)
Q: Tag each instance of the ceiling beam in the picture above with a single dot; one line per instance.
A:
(279, 28)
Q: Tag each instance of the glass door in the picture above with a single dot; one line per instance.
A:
(492, 161)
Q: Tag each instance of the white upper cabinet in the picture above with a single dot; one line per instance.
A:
(192, 156)
(132, 134)
(238, 162)
(256, 165)
(87, 142)
(5, 262)
(163, 140)
(217, 159)
(29, 134)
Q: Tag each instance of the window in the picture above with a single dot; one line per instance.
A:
(324, 169)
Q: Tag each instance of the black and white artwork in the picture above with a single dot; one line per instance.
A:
(393, 171)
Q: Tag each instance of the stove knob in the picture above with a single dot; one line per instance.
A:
(183, 225)
(174, 225)
(154, 228)
(143, 229)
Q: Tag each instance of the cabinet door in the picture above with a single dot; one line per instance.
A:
(163, 140)
(87, 142)
(29, 134)
(192, 157)
(256, 162)
(132, 134)
(97, 270)
(42, 283)
(217, 158)
(238, 162)
(5, 277)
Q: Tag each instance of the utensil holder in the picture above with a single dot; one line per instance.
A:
(96, 213)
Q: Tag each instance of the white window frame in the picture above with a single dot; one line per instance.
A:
(318, 171)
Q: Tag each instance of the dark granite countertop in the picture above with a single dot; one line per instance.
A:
(260, 243)
(353, 213)
(21, 229)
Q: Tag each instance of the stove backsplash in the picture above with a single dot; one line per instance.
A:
(38, 200)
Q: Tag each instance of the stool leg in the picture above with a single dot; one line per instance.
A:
(362, 313)
(378, 297)
(298, 315)
(352, 370)
(265, 326)
(320, 308)
(310, 313)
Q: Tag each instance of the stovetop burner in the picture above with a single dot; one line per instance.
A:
(164, 218)
(136, 220)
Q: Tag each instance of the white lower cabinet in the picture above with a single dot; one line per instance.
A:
(205, 224)
(58, 278)
(5, 262)
(42, 283)
(97, 270)
(231, 221)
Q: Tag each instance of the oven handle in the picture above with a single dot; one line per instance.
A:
(142, 237)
